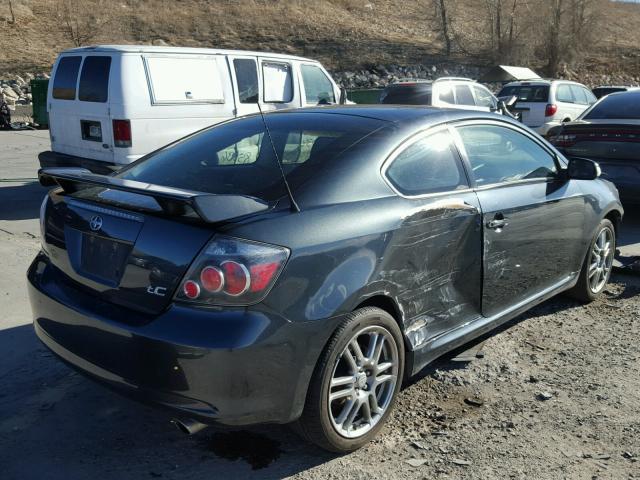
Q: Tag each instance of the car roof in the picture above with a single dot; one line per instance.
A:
(399, 114)
(541, 81)
(180, 50)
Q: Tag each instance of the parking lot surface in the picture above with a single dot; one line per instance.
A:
(554, 394)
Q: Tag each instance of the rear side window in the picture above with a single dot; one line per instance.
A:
(527, 93)
(579, 95)
(499, 154)
(563, 94)
(64, 83)
(184, 80)
(429, 165)
(94, 79)
(464, 95)
(317, 87)
(278, 84)
(247, 78)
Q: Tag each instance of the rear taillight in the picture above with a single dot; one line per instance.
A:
(231, 271)
(122, 133)
(551, 110)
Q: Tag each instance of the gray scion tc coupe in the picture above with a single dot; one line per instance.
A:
(197, 279)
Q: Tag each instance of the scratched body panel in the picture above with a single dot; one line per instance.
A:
(434, 258)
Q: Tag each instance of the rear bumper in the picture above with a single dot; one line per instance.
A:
(54, 159)
(234, 367)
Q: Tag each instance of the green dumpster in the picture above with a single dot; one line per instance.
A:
(370, 95)
(39, 98)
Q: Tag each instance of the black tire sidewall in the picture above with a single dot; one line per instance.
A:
(360, 319)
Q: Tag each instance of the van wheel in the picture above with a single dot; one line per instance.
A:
(597, 266)
(356, 382)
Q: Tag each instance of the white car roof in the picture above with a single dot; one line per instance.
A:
(542, 81)
(181, 50)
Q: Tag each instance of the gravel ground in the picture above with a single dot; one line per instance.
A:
(554, 395)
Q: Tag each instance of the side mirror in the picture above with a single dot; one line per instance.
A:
(583, 169)
(343, 96)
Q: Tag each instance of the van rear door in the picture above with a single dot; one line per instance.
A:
(532, 102)
(80, 121)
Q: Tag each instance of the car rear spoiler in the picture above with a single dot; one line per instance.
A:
(211, 208)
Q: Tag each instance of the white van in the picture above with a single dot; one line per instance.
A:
(110, 105)
(545, 104)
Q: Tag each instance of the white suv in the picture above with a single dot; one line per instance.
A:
(543, 104)
(451, 92)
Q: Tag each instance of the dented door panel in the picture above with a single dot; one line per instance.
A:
(434, 259)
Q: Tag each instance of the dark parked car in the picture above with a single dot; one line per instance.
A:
(194, 280)
(609, 133)
(605, 90)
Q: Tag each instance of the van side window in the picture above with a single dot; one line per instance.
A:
(564, 94)
(184, 80)
(428, 165)
(64, 84)
(464, 95)
(317, 87)
(278, 84)
(579, 95)
(247, 78)
(446, 94)
(94, 79)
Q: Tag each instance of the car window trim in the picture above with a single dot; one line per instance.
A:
(408, 142)
(557, 159)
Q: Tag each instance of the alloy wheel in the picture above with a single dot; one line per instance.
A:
(601, 260)
(363, 381)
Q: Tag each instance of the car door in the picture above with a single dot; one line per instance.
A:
(246, 83)
(533, 219)
(79, 107)
(279, 89)
(316, 86)
(435, 255)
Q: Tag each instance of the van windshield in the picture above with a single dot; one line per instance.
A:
(237, 157)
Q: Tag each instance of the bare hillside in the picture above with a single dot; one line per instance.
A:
(344, 34)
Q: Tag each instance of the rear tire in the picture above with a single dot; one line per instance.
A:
(356, 382)
(597, 266)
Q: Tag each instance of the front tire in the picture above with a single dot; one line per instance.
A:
(597, 266)
(356, 382)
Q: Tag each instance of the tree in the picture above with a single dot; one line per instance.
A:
(81, 20)
(13, 15)
(444, 23)
(502, 33)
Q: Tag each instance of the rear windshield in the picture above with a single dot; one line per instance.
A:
(624, 106)
(527, 93)
(407, 95)
(237, 157)
(602, 91)
(94, 79)
(64, 83)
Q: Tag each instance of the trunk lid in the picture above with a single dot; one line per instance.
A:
(123, 257)
(614, 145)
(129, 242)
